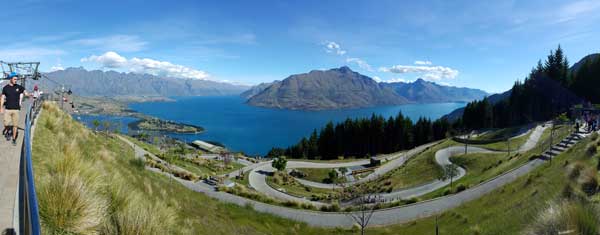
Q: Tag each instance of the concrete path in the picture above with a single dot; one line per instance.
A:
(10, 159)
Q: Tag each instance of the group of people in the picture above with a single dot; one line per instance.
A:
(10, 106)
(591, 121)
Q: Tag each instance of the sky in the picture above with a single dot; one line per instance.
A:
(479, 44)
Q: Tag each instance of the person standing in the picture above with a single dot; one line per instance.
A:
(12, 95)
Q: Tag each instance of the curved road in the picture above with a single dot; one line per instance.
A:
(258, 175)
(380, 217)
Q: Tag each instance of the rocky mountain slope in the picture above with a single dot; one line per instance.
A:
(330, 89)
(110, 83)
(343, 88)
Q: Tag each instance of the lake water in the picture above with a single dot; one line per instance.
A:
(255, 130)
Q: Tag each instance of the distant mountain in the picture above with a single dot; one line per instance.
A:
(422, 91)
(344, 88)
(493, 99)
(110, 83)
(254, 90)
(330, 89)
(589, 57)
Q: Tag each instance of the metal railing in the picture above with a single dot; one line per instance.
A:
(29, 220)
(558, 131)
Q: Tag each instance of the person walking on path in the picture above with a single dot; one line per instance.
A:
(12, 94)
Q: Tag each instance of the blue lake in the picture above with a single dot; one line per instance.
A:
(255, 130)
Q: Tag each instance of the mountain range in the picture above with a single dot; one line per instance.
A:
(343, 88)
(110, 83)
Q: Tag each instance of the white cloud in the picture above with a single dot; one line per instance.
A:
(377, 79)
(56, 68)
(333, 47)
(145, 65)
(428, 72)
(126, 43)
(108, 60)
(164, 68)
(421, 62)
(397, 80)
(361, 63)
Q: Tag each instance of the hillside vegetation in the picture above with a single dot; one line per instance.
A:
(90, 183)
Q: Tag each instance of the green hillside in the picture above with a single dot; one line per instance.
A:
(90, 183)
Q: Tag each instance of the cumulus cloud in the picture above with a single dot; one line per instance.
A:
(108, 60)
(377, 79)
(427, 72)
(145, 65)
(126, 43)
(333, 47)
(57, 67)
(423, 62)
(361, 63)
(398, 80)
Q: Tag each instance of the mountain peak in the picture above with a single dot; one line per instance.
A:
(344, 69)
(420, 80)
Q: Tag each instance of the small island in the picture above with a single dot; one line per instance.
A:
(155, 124)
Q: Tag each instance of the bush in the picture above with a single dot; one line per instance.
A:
(591, 149)
(446, 192)
(410, 201)
(294, 204)
(460, 188)
(589, 181)
(334, 207)
(578, 216)
(594, 136)
(574, 170)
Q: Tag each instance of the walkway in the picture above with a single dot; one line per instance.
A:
(10, 159)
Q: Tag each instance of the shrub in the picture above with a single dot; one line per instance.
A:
(591, 149)
(588, 180)
(334, 207)
(460, 188)
(331, 208)
(294, 204)
(446, 192)
(594, 136)
(137, 163)
(410, 201)
(574, 170)
(578, 216)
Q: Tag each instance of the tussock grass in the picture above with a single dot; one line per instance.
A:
(567, 217)
(79, 190)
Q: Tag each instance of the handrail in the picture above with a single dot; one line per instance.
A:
(29, 219)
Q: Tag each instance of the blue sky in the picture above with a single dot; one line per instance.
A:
(480, 44)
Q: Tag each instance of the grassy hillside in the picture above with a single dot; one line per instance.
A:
(90, 183)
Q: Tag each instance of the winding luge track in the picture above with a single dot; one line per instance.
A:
(384, 216)
(442, 157)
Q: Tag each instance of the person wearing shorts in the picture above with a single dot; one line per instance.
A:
(10, 104)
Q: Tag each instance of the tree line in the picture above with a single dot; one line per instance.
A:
(363, 137)
(549, 90)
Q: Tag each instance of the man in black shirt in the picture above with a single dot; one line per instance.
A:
(11, 100)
